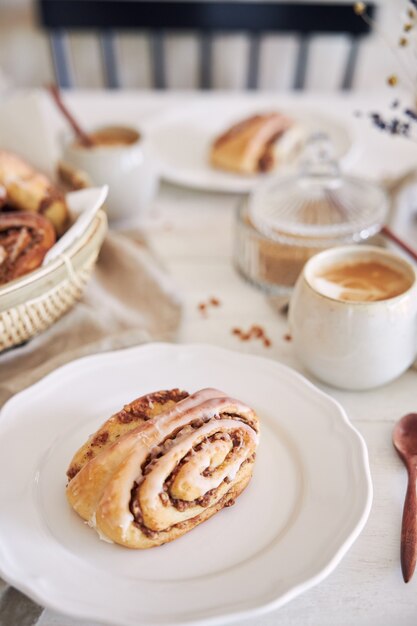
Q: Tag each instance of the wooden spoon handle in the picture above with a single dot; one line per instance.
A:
(389, 234)
(409, 527)
(84, 139)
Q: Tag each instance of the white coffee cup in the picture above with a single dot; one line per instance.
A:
(127, 168)
(351, 344)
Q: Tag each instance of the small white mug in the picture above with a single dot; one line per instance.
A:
(128, 169)
(354, 345)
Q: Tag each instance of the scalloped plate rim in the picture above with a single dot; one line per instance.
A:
(89, 612)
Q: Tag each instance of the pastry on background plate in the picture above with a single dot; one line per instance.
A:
(28, 190)
(162, 465)
(25, 238)
(257, 144)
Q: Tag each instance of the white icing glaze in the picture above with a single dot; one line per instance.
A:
(124, 522)
(190, 483)
(127, 455)
(92, 523)
(102, 536)
(153, 482)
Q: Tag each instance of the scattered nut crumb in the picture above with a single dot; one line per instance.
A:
(257, 331)
(203, 306)
(287, 337)
(254, 332)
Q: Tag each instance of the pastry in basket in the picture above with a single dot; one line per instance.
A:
(25, 238)
(29, 190)
(162, 465)
(257, 144)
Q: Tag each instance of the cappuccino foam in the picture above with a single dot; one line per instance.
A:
(361, 281)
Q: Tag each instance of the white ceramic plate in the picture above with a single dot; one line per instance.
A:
(309, 498)
(181, 140)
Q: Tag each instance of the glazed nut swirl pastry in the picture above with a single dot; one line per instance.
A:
(256, 144)
(162, 465)
(28, 190)
(25, 238)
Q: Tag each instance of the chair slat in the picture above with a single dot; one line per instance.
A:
(61, 58)
(156, 41)
(109, 55)
(351, 63)
(253, 61)
(301, 63)
(301, 18)
(206, 55)
(205, 15)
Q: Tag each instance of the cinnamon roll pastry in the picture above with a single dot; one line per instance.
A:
(29, 190)
(25, 238)
(256, 144)
(162, 465)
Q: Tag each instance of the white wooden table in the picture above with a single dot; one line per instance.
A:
(192, 233)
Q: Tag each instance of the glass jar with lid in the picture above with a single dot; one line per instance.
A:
(287, 220)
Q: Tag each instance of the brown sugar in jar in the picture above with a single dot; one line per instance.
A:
(290, 217)
(271, 265)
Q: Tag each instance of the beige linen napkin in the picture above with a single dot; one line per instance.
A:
(130, 300)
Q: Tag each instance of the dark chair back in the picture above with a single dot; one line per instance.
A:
(206, 18)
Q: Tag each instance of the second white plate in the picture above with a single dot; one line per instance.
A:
(309, 497)
(181, 139)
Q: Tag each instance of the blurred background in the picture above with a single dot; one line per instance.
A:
(25, 55)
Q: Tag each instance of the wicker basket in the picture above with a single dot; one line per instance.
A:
(29, 305)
